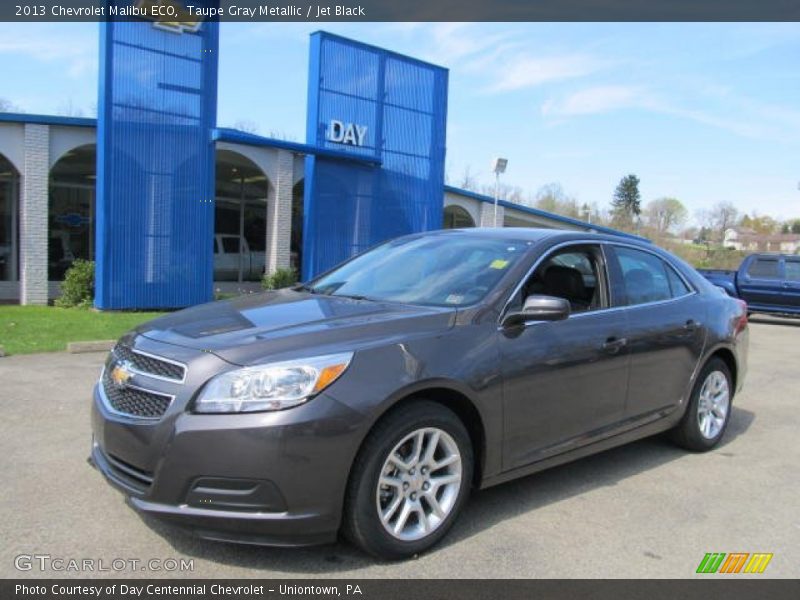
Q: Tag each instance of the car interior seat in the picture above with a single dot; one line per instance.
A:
(567, 283)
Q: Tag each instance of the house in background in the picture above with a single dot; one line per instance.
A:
(742, 238)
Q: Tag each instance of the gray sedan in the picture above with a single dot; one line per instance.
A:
(370, 400)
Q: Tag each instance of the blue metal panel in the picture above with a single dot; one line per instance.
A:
(155, 202)
(402, 102)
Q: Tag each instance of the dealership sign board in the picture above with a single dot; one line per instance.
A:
(155, 171)
(387, 113)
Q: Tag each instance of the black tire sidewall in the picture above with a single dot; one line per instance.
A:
(362, 523)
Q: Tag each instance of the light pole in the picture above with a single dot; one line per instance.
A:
(499, 167)
(587, 213)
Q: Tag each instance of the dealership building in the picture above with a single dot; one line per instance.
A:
(172, 207)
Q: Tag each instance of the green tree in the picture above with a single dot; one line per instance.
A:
(665, 214)
(627, 202)
(796, 226)
(552, 198)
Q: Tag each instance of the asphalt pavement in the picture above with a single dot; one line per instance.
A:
(647, 509)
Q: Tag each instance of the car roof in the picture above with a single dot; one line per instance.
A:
(534, 234)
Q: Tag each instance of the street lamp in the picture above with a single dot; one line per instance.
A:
(499, 167)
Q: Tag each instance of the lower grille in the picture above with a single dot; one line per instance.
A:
(135, 478)
(133, 401)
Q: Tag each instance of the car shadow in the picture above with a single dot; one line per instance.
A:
(485, 509)
(774, 320)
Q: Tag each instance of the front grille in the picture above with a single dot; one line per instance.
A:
(128, 474)
(134, 401)
(150, 365)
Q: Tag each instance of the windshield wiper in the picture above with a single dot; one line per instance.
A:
(302, 287)
(352, 296)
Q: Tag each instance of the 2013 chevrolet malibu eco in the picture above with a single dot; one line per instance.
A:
(372, 399)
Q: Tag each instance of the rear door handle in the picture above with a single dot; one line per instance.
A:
(613, 345)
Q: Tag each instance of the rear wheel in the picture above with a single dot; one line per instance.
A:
(709, 410)
(409, 481)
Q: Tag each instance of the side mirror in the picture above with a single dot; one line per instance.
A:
(539, 308)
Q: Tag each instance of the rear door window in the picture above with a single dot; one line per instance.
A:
(792, 269)
(647, 278)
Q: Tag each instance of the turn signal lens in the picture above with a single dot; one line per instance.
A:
(328, 375)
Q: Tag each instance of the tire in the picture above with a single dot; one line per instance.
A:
(428, 494)
(709, 410)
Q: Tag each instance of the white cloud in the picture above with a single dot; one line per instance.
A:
(737, 115)
(598, 99)
(526, 71)
(75, 47)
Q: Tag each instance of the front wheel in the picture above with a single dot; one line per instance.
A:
(709, 409)
(409, 482)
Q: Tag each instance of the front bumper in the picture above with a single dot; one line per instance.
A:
(262, 478)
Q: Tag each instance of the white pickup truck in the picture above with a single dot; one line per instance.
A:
(227, 258)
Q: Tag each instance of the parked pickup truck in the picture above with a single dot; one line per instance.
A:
(769, 283)
(227, 259)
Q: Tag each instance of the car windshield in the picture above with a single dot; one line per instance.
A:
(437, 270)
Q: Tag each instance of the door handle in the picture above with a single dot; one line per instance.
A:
(691, 325)
(613, 345)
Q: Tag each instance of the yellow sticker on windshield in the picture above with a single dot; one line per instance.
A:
(498, 264)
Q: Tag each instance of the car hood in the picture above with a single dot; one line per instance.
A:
(253, 328)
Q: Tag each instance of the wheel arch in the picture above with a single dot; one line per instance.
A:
(452, 398)
(727, 356)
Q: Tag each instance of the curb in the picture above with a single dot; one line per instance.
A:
(93, 346)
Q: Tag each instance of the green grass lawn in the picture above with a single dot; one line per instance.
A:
(27, 329)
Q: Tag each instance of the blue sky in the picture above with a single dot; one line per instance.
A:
(701, 112)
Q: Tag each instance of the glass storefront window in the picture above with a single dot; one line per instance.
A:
(71, 217)
(9, 202)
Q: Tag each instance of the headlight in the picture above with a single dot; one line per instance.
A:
(272, 386)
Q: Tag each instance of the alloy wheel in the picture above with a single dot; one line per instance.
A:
(713, 405)
(419, 484)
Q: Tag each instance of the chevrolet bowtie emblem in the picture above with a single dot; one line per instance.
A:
(121, 374)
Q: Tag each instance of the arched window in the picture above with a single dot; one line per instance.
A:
(240, 217)
(71, 215)
(298, 199)
(9, 221)
(456, 217)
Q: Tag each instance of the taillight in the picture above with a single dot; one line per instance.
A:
(741, 324)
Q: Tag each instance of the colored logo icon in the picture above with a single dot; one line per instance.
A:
(734, 562)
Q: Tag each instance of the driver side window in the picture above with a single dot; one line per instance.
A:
(573, 273)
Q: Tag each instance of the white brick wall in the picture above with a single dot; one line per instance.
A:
(33, 215)
(279, 214)
(487, 215)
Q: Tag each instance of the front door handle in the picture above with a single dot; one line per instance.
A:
(613, 344)
(691, 325)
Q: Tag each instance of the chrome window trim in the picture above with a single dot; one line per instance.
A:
(177, 363)
(107, 403)
(599, 311)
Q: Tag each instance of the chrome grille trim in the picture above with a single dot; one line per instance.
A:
(101, 387)
(119, 349)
